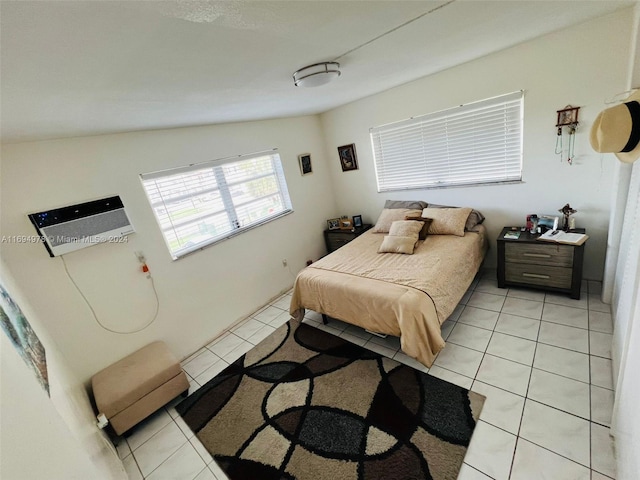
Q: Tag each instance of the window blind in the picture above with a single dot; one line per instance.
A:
(200, 204)
(477, 143)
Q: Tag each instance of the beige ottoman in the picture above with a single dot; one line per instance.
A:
(136, 386)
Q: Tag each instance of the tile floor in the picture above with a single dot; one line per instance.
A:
(542, 360)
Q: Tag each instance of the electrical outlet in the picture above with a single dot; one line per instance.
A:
(284, 262)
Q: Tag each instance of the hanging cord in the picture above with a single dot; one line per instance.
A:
(572, 144)
(93, 312)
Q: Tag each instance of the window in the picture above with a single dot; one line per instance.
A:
(475, 143)
(207, 202)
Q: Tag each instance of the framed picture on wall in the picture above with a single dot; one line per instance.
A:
(348, 159)
(305, 163)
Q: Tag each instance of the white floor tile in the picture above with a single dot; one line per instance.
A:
(601, 405)
(217, 471)
(202, 451)
(563, 336)
(566, 300)
(237, 352)
(382, 350)
(479, 317)
(562, 393)
(491, 451)
(223, 345)
(601, 372)
(595, 303)
(284, 302)
(600, 322)
(410, 361)
(526, 294)
(562, 362)
(469, 473)
(247, 328)
(158, 448)
(148, 428)
(353, 339)
(461, 360)
(532, 462)
(522, 308)
(490, 285)
(446, 328)
(456, 313)
(512, 348)
(261, 334)
(501, 408)
(470, 337)
(451, 377)
(595, 287)
(518, 326)
(487, 301)
(123, 448)
(570, 316)
(268, 314)
(358, 332)
(600, 344)
(200, 363)
(560, 432)
(205, 474)
(131, 467)
(598, 476)
(504, 374)
(280, 320)
(184, 428)
(184, 464)
(389, 341)
(602, 451)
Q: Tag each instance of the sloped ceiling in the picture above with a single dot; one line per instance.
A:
(93, 67)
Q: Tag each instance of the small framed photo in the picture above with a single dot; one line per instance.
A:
(348, 159)
(568, 116)
(333, 223)
(346, 223)
(305, 163)
(357, 221)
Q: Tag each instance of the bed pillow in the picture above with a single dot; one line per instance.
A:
(447, 221)
(390, 215)
(425, 225)
(397, 244)
(475, 217)
(406, 228)
(414, 204)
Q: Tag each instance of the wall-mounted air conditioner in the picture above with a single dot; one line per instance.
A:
(66, 229)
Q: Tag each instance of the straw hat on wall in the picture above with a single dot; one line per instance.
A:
(617, 130)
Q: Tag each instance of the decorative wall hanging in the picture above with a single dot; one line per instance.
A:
(348, 159)
(23, 338)
(567, 122)
(305, 163)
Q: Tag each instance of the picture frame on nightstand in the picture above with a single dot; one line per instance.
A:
(333, 224)
(357, 221)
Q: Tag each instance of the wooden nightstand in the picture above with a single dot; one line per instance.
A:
(527, 262)
(334, 239)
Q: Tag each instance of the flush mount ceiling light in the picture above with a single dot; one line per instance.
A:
(316, 74)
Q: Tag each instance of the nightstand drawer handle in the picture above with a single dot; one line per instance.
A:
(535, 275)
(537, 255)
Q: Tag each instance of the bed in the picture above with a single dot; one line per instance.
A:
(408, 296)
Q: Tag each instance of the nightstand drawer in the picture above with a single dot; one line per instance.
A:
(542, 275)
(337, 240)
(546, 254)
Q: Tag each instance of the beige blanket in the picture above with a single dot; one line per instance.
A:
(408, 296)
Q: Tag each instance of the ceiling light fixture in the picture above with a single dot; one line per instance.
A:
(316, 74)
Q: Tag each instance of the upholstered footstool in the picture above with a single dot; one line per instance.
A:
(136, 386)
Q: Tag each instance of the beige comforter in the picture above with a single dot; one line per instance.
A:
(408, 296)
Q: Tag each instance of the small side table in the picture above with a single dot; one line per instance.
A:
(526, 262)
(334, 239)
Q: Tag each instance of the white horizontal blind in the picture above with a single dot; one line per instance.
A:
(475, 143)
(200, 204)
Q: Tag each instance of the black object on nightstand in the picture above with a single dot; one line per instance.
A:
(337, 238)
(528, 262)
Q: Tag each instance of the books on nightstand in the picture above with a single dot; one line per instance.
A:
(512, 235)
(558, 236)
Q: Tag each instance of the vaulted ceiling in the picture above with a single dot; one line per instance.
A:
(93, 67)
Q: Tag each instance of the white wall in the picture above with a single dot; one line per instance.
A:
(48, 437)
(581, 66)
(201, 294)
